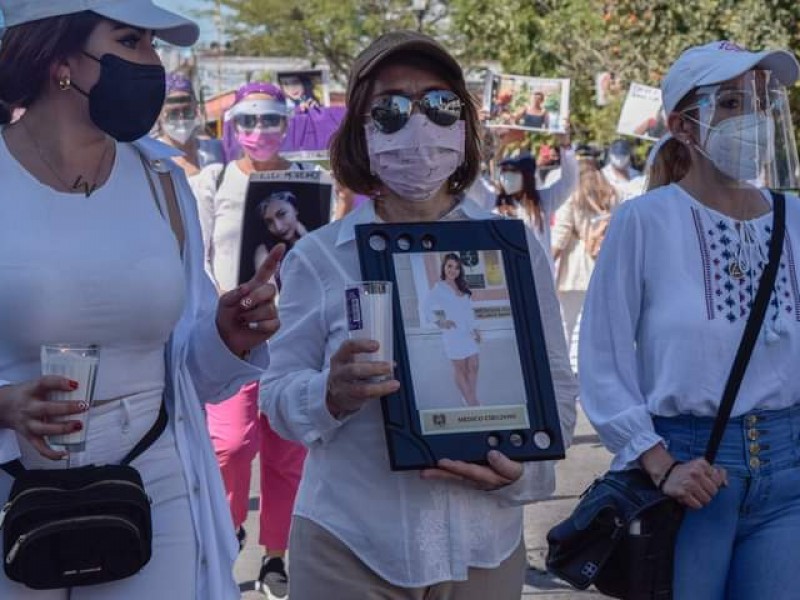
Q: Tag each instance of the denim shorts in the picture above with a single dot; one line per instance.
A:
(744, 544)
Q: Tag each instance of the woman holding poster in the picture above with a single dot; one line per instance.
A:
(254, 129)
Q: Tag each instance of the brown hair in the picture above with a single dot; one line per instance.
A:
(672, 160)
(349, 156)
(28, 52)
(461, 280)
(594, 193)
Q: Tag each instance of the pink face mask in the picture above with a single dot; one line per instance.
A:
(416, 161)
(260, 145)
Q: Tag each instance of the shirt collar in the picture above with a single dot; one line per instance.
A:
(466, 209)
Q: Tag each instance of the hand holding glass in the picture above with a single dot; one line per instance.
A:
(78, 363)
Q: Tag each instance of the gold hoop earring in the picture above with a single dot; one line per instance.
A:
(64, 83)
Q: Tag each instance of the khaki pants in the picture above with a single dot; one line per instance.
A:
(321, 566)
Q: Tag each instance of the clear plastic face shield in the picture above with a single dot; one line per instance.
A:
(746, 130)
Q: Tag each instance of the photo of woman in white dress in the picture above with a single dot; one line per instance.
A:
(449, 307)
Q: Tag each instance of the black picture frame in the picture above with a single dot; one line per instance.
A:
(312, 191)
(411, 439)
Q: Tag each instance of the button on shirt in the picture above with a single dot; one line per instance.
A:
(411, 532)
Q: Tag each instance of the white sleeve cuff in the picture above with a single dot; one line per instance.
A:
(324, 424)
(628, 457)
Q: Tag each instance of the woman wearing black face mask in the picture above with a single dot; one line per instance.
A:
(88, 258)
(410, 140)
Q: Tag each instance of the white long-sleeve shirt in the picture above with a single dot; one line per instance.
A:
(198, 362)
(551, 197)
(664, 316)
(410, 531)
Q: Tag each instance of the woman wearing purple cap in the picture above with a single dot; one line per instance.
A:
(100, 245)
(671, 292)
(254, 128)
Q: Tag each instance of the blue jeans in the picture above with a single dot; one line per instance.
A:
(746, 543)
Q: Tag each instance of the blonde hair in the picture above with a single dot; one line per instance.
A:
(594, 193)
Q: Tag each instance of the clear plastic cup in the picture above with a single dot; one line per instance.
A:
(79, 363)
(370, 317)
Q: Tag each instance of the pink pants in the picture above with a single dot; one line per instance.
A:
(238, 433)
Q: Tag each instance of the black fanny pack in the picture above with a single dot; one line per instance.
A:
(77, 527)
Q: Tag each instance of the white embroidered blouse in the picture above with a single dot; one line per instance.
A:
(665, 311)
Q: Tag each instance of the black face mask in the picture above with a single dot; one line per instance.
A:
(127, 99)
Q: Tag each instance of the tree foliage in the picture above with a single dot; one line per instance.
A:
(635, 39)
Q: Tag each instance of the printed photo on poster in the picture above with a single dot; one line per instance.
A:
(281, 207)
(642, 114)
(305, 89)
(461, 340)
(528, 103)
(607, 86)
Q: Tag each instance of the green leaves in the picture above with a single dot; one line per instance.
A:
(635, 39)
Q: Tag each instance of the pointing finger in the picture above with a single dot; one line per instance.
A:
(270, 266)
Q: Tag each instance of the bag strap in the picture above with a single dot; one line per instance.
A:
(752, 328)
(150, 437)
(170, 197)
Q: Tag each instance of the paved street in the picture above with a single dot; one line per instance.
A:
(586, 460)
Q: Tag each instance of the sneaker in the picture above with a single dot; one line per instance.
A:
(272, 579)
(241, 535)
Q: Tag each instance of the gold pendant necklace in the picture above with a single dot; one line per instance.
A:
(80, 184)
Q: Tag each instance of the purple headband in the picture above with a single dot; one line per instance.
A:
(179, 82)
(259, 87)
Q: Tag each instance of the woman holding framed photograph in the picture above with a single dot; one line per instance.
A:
(449, 307)
(410, 141)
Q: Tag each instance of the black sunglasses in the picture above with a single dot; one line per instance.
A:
(390, 113)
(250, 122)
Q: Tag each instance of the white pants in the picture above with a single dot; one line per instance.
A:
(571, 308)
(170, 575)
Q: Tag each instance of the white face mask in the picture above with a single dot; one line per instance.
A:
(741, 146)
(511, 182)
(619, 162)
(180, 130)
(416, 161)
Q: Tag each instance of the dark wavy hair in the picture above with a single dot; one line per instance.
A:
(461, 282)
(29, 51)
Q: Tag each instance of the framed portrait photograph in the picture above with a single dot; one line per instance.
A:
(642, 113)
(468, 343)
(528, 103)
(305, 89)
(281, 207)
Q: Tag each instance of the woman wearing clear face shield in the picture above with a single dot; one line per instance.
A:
(410, 141)
(666, 308)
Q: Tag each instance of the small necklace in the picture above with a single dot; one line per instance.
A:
(80, 183)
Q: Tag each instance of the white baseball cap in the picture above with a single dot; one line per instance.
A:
(720, 61)
(142, 14)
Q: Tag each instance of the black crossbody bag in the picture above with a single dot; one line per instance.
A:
(621, 536)
(93, 524)
(76, 527)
